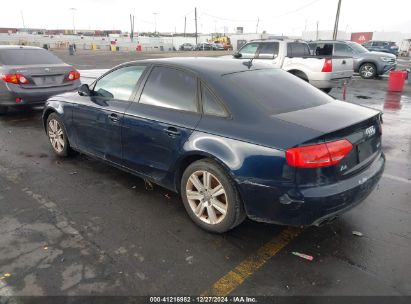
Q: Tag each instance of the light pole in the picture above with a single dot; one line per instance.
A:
(73, 10)
(155, 23)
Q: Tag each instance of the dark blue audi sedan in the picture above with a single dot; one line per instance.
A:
(235, 139)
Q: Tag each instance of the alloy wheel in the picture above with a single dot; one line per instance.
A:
(56, 135)
(367, 71)
(207, 197)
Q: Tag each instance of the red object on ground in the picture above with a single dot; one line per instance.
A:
(396, 81)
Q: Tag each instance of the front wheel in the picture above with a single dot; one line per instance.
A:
(210, 197)
(57, 135)
(368, 71)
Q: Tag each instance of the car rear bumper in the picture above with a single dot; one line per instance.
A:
(309, 206)
(9, 93)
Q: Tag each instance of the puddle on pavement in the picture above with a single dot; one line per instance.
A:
(363, 97)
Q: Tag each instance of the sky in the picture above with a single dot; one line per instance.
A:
(289, 17)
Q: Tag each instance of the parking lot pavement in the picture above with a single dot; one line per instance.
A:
(79, 227)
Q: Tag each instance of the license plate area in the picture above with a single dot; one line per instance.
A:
(367, 148)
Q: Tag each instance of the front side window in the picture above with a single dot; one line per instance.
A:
(170, 88)
(249, 50)
(342, 50)
(120, 83)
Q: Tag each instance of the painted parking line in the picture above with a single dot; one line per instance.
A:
(230, 281)
(397, 178)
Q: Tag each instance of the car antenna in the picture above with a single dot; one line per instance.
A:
(249, 63)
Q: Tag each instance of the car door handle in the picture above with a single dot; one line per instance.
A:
(344, 62)
(114, 117)
(172, 131)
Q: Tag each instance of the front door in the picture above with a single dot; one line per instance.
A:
(161, 120)
(98, 119)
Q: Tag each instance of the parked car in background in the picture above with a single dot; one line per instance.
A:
(367, 64)
(204, 46)
(323, 72)
(382, 46)
(186, 47)
(30, 75)
(218, 47)
(233, 139)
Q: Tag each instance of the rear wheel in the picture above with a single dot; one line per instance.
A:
(57, 135)
(210, 197)
(368, 71)
(3, 110)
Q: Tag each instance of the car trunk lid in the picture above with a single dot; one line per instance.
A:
(337, 120)
(44, 76)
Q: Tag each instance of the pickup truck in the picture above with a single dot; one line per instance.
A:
(323, 72)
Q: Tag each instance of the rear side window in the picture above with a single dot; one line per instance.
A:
(297, 49)
(170, 88)
(210, 104)
(120, 83)
(268, 50)
(276, 90)
(27, 57)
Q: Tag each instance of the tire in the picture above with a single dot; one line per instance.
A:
(3, 110)
(57, 134)
(217, 212)
(326, 90)
(368, 71)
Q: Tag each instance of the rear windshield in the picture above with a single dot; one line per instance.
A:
(27, 57)
(277, 91)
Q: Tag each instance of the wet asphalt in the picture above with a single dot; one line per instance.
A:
(77, 226)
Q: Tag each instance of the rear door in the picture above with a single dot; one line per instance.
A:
(160, 121)
(98, 119)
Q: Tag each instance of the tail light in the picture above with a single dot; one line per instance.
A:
(73, 75)
(320, 155)
(15, 78)
(328, 65)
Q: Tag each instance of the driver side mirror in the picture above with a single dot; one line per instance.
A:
(84, 90)
(237, 55)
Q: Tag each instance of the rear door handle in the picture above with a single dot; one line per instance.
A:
(114, 117)
(172, 131)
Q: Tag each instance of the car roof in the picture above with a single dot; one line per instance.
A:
(16, 47)
(206, 66)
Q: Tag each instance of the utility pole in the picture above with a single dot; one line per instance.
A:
(131, 27)
(337, 19)
(155, 23)
(195, 18)
(74, 27)
(22, 18)
(185, 25)
(256, 28)
(316, 36)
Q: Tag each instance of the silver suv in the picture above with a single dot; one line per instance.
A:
(367, 64)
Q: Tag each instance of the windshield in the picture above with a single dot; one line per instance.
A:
(357, 47)
(277, 91)
(27, 57)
